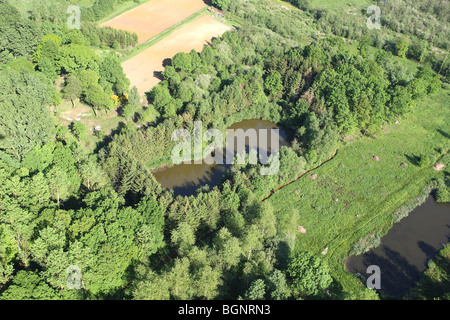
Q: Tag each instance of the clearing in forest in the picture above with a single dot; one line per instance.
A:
(369, 192)
(144, 68)
(155, 16)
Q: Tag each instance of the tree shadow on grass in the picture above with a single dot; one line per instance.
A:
(119, 111)
(445, 134)
(413, 159)
(108, 138)
(282, 255)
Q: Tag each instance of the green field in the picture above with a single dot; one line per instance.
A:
(354, 195)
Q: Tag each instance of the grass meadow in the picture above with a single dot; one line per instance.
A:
(355, 196)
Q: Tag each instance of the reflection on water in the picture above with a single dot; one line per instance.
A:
(184, 179)
(405, 250)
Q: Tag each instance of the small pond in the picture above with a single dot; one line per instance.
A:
(184, 179)
(406, 249)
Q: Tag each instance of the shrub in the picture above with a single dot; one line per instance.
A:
(221, 4)
(424, 161)
(79, 130)
(365, 244)
(309, 274)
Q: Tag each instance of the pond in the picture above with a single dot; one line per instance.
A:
(406, 249)
(184, 179)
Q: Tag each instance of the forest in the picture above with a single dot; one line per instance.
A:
(103, 211)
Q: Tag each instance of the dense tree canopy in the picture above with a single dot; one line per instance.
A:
(103, 211)
(25, 121)
(308, 273)
(18, 36)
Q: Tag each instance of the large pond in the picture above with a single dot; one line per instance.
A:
(406, 249)
(184, 179)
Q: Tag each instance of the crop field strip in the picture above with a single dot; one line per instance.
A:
(187, 27)
(153, 17)
(160, 36)
(142, 68)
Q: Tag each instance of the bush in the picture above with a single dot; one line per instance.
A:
(424, 161)
(308, 273)
(182, 61)
(401, 46)
(443, 191)
(221, 4)
(443, 195)
(79, 130)
(365, 244)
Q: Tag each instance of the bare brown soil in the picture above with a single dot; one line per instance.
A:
(144, 69)
(155, 16)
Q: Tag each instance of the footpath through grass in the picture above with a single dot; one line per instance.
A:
(354, 195)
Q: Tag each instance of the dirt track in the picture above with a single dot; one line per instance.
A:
(142, 68)
(155, 16)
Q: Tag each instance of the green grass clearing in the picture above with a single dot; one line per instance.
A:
(354, 196)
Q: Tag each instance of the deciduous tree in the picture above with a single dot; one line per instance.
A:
(309, 275)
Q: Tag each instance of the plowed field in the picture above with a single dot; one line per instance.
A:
(144, 68)
(155, 16)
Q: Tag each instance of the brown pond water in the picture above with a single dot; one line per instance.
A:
(184, 179)
(406, 249)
